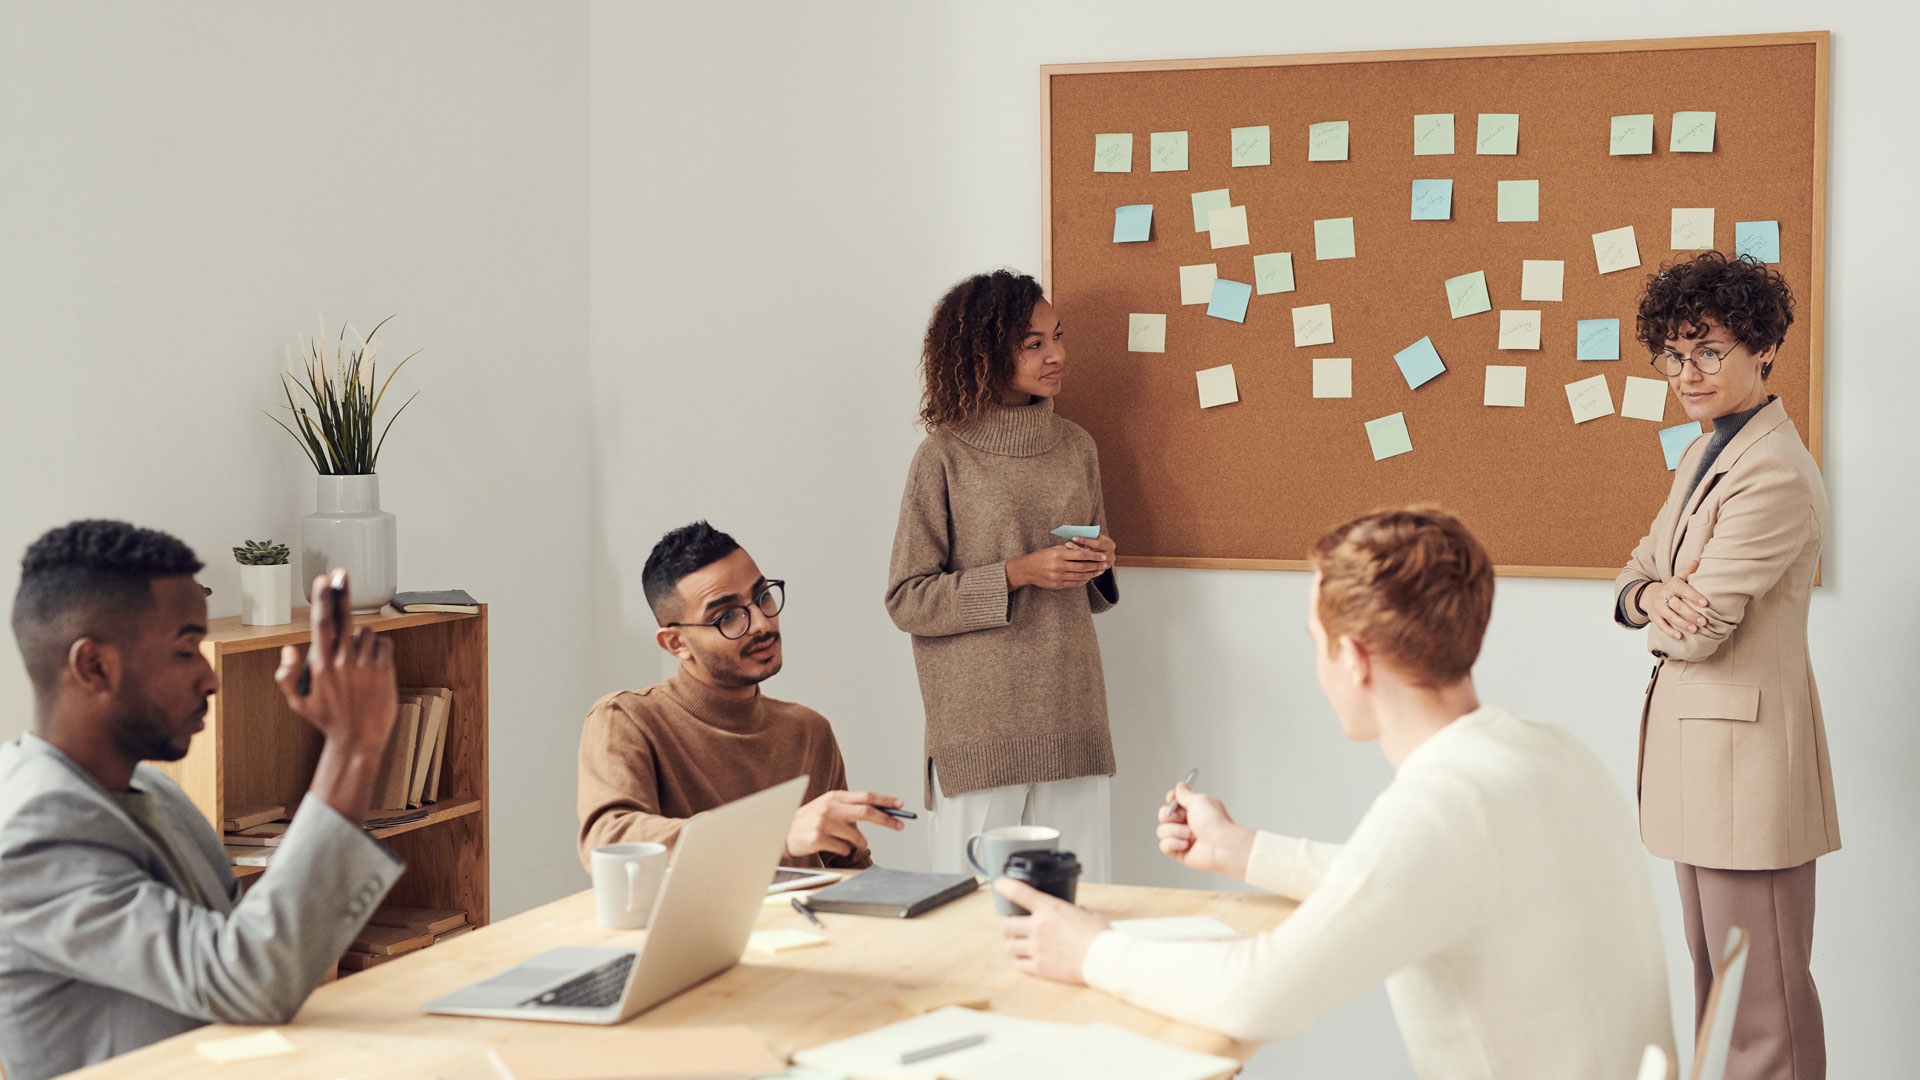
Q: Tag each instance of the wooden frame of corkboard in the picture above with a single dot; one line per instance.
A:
(1250, 485)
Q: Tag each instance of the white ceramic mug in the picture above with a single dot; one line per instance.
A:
(626, 881)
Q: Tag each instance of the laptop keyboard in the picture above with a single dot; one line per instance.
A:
(597, 989)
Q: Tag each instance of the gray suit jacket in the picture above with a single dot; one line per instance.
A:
(100, 953)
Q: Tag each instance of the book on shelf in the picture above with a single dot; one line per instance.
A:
(361, 961)
(387, 819)
(455, 600)
(246, 817)
(435, 703)
(432, 920)
(390, 783)
(390, 940)
(249, 856)
(268, 834)
(455, 932)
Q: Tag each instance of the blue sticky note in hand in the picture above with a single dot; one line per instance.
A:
(1419, 362)
(1432, 200)
(1132, 224)
(1084, 532)
(1229, 300)
(1760, 239)
(1599, 339)
(1675, 440)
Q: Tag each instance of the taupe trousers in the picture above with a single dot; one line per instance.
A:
(1778, 1033)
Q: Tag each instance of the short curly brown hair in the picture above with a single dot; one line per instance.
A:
(1413, 584)
(1746, 296)
(971, 340)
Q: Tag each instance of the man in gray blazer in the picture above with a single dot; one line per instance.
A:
(120, 922)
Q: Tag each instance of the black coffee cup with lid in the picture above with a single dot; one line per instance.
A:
(1056, 873)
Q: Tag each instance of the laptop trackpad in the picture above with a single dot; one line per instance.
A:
(524, 976)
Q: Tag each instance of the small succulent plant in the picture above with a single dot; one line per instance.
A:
(261, 553)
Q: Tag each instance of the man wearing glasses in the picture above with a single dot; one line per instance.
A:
(652, 758)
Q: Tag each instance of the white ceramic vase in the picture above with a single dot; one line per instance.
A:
(348, 529)
(266, 595)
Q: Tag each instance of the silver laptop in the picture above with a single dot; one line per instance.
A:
(698, 928)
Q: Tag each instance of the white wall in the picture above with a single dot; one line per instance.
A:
(780, 193)
(183, 187)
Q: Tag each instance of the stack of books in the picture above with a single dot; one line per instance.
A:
(252, 834)
(409, 776)
(396, 931)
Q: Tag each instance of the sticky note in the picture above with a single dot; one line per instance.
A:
(1589, 398)
(1084, 532)
(1632, 135)
(1327, 141)
(1388, 436)
(1113, 153)
(1167, 151)
(1519, 201)
(1692, 228)
(1333, 238)
(1499, 134)
(1229, 300)
(1132, 224)
(1597, 339)
(1217, 386)
(1432, 134)
(1467, 294)
(1542, 279)
(1204, 203)
(1250, 146)
(778, 941)
(1644, 399)
(1519, 329)
(1692, 133)
(1616, 249)
(1273, 272)
(1227, 226)
(260, 1044)
(1432, 200)
(1333, 377)
(1313, 325)
(1419, 362)
(1506, 386)
(1760, 239)
(1675, 440)
(1146, 333)
(1196, 283)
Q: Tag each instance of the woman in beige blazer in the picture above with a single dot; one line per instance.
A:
(1734, 784)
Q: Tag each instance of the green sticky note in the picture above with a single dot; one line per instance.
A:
(1333, 238)
(1327, 141)
(1388, 436)
(1250, 146)
(1519, 201)
(1273, 273)
(1692, 133)
(1206, 202)
(1432, 134)
(1499, 134)
(1631, 135)
(1113, 153)
(1167, 152)
(1467, 294)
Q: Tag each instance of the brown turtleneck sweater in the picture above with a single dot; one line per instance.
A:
(650, 759)
(1011, 680)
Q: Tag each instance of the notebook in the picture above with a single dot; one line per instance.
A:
(894, 894)
(1015, 1049)
(455, 600)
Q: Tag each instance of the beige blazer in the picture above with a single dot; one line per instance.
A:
(1733, 770)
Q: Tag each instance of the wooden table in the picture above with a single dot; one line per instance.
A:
(368, 1025)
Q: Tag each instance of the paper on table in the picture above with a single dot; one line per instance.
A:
(1388, 436)
(260, 1044)
(1519, 329)
(1542, 279)
(1499, 134)
(1132, 224)
(1113, 153)
(1327, 141)
(777, 941)
(1015, 1049)
(1146, 333)
(1177, 928)
(1250, 146)
(1506, 385)
(1632, 135)
(1519, 200)
(1313, 325)
(1598, 339)
(876, 1053)
(1206, 202)
(1467, 294)
(1196, 283)
(1217, 386)
(1167, 151)
(1333, 377)
(1273, 272)
(1432, 134)
(1227, 226)
(1675, 440)
(1229, 300)
(1760, 239)
(1644, 399)
(1616, 249)
(1333, 238)
(1419, 363)
(1432, 200)
(1589, 399)
(1084, 532)
(1692, 228)
(1692, 133)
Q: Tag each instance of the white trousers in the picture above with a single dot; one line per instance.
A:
(1080, 808)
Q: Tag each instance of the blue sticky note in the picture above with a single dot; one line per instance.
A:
(1229, 300)
(1419, 362)
(1760, 239)
(1675, 440)
(1085, 532)
(1599, 339)
(1132, 224)
(1432, 200)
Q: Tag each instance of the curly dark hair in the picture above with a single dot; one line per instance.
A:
(86, 578)
(1744, 295)
(679, 553)
(971, 340)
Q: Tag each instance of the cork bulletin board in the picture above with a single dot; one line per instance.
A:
(1252, 483)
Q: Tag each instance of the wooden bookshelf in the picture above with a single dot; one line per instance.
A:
(256, 752)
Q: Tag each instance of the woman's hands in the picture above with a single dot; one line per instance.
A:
(1062, 566)
(1196, 832)
(1052, 942)
(1674, 606)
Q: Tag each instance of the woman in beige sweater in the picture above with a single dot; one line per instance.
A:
(1001, 609)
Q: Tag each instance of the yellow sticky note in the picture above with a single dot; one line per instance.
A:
(1196, 282)
(1644, 399)
(1333, 238)
(1589, 399)
(1217, 386)
(1227, 227)
(1692, 133)
(1146, 333)
(1388, 436)
(1519, 200)
(1167, 151)
(1542, 279)
(1327, 141)
(1616, 249)
(1250, 146)
(1519, 329)
(1113, 152)
(1273, 273)
(1313, 325)
(260, 1044)
(1432, 134)
(1333, 377)
(1499, 134)
(1631, 135)
(1692, 228)
(779, 941)
(1506, 386)
(1467, 294)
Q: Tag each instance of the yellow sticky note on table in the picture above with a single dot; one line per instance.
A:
(1692, 228)
(1146, 333)
(1692, 133)
(1388, 436)
(1644, 399)
(1519, 200)
(1313, 325)
(1467, 294)
(1432, 134)
(1167, 151)
(1113, 152)
(1589, 399)
(1519, 329)
(1217, 386)
(1333, 238)
(260, 1044)
(1506, 385)
(779, 941)
(1499, 134)
(1227, 226)
(1333, 377)
(1327, 141)
(1196, 282)
(1251, 146)
(1542, 279)
(1616, 249)
(1631, 135)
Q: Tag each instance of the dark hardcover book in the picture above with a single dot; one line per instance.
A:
(893, 894)
(443, 600)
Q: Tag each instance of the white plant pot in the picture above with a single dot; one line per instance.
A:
(266, 595)
(350, 531)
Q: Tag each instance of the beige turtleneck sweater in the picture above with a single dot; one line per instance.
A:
(1011, 679)
(652, 758)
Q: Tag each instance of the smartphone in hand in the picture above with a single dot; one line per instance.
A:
(334, 595)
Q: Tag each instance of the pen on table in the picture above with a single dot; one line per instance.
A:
(891, 812)
(937, 1049)
(808, 912)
